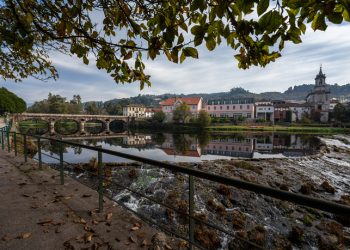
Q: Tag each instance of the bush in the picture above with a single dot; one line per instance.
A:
(159, 116)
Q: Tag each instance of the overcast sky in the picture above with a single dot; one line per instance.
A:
(214, 71)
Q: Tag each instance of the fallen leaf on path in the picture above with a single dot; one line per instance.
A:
(58, 230)
(86, 195)
(6, 238)
(141, 234)
(117, 239)
(24, 235)
(25, 195)
(134, 228)
(45, 231)
(22, 184)
(88, 237)
(109, 216)
(95, 222)
(44, 222)
(137, 225)
(34, 206)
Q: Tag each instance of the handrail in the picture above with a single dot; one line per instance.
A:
(299, 199)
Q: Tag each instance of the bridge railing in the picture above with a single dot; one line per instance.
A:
(192, 175)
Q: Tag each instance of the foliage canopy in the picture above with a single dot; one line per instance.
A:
(11, 103)
(116, 34)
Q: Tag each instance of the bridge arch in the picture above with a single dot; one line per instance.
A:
(66, 126)
(33, 126)
(117, 126)
(95, 126)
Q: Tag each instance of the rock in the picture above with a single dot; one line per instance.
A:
(332, 227)
(217, 206)
(307, 188)
(328, 187)
(281, 243)
(249, 240)
(159, 242)
(207, 238)
(224, 190)
(238, 219)
(296, 236)
(328, 242)
(133, 174)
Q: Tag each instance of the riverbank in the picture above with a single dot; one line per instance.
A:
(39, 213)
(285, 129)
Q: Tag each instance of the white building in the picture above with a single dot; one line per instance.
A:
(264, 111)
(134, 110)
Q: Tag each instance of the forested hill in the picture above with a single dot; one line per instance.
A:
(293, 93)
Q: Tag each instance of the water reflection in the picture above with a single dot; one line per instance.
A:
(192, 147)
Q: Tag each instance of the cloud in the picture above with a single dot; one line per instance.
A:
(215, 71)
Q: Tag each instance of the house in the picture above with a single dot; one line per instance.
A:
(169, 105)
(231, 108)
(149, 112)
(319, 98)
(291, 112)
(264, 110)
(134, 110)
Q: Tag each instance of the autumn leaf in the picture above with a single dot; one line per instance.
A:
(24, 235)
(109, 216)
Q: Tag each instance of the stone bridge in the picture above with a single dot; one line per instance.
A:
(80, 119)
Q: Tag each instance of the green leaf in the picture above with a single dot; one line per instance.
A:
(182, 57)
(210, 43)
(262, 6)
(181, 39)
(189, 51)
(85, 60)
(197, 4)
(346, 15)
(336, 18)
(270, 21)
(319, 22)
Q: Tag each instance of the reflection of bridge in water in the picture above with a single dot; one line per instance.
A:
(80, 120)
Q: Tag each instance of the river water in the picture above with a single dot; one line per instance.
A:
(191, 147)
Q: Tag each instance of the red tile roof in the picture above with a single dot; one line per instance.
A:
(187, 100)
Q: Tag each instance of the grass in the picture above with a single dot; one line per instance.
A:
(279, 128)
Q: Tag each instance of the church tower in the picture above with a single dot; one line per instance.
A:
(320, 96)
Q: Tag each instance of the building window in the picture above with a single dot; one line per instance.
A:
(208, 108)
(247, 106)
(233, 107)
(228, 107)
(214, 108)
(220, 107)
(240, 106)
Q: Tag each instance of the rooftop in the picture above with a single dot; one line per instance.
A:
(187, 100)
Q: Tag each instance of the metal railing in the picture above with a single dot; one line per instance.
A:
(323, 205)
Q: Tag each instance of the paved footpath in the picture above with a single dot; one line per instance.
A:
(36, 212)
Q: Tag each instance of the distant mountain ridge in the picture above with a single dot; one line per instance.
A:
(297, 93)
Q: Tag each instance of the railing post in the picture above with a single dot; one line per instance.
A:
(2, 139)
(100, 182)
(25, 147)
(39, 153)
(15, 142)
(8, 140)
(190, 211)
(61, 164)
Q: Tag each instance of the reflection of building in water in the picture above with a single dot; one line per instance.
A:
(137, 140)
(184, 145)
(288, 145)
(235, 147)
(264, 143)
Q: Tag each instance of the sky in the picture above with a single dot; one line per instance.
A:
(214, 71)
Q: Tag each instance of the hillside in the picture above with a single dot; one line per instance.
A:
(297, 92)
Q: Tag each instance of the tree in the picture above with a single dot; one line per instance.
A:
(182, 113)
(11, 103)
(159, 116)
(115, 35)
(203, 119)
(56, 104)
(341, 113)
